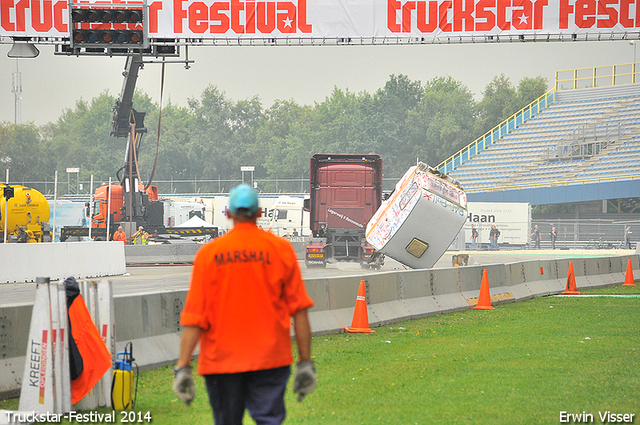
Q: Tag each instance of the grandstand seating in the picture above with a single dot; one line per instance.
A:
(585, 134)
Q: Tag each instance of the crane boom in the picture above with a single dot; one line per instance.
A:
(130, 203)
(125, 121)
(123, 113)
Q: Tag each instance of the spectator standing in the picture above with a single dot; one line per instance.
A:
(494, 234)
(245, 286)
(474, 237)
(120, 235)
(627, 237)
(536, 237)
(553, 235)
(140, 237)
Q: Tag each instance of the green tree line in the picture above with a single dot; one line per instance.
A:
(213, 136)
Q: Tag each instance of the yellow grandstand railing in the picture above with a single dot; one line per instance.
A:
(552, 184)
(598, 76)
(493, 135)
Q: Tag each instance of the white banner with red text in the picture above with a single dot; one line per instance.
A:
(196, 21)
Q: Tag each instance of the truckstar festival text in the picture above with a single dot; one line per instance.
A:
(341, 18)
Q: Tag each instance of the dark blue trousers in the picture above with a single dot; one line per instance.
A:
(260, 392)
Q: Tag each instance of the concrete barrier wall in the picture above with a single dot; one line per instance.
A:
(14, 334)
(25, 262)
(176, 253)
(161, 254)
(151, 321)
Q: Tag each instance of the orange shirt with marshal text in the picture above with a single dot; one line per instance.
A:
(245, 286)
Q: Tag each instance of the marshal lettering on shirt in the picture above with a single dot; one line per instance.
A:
(244, 256)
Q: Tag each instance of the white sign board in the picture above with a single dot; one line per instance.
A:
(512, 219)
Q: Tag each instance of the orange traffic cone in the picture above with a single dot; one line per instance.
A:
(571, 282)
(484, 299)
(628, 279)
(360, 322)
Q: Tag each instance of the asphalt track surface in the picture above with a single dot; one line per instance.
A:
(153, 279)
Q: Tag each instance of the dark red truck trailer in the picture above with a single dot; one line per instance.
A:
(346, 191)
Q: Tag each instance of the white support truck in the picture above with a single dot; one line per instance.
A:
(287, 216)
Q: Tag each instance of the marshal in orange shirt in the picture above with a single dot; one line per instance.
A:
(245, 286)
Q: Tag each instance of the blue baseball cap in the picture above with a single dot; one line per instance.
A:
(243, 196)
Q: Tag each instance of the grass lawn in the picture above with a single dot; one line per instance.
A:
(522, 363)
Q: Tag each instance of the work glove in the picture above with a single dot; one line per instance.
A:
(183, 384)
(304, 381)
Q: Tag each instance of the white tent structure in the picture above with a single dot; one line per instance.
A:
(195, 221)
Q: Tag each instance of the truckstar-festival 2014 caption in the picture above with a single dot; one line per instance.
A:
(78, 417)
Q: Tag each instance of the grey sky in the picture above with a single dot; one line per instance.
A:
(305, 74)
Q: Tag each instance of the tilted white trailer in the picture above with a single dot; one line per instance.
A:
(420, 219)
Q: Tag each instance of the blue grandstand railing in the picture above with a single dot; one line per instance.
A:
(493, 135)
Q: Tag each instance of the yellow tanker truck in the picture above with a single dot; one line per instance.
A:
(28, 215)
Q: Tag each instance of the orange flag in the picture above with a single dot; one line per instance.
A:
(91, 360)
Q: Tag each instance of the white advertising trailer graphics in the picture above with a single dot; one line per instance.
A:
(421, 218)
(512, 219)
